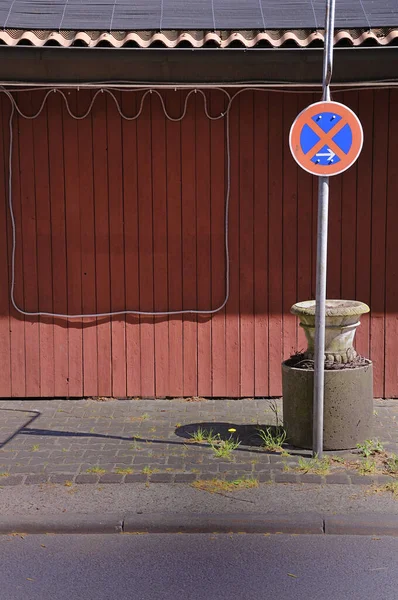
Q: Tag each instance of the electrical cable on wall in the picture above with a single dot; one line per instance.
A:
(15, 108)
(147, 91)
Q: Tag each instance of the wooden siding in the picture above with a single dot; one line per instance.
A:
(115, 214)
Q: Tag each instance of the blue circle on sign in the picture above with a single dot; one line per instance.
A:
(326, 155)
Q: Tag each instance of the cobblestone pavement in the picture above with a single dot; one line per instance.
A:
(117, 441)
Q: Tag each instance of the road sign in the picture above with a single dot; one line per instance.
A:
(326, 138)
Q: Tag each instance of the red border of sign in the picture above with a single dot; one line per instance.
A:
(348, 116)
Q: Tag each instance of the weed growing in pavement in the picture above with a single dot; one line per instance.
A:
(367, 466)
(124, 471)
(217, 486)
(392, 464)
(392, 487)
(318, 466)
(68, 483)
(4, 474)
(148, 470)
(35, 448)
(272, 438)
(145, 417)
(202, 435)
(274, 408)
(223, 448)
(98, 470)
(370, 447)
(337, 459)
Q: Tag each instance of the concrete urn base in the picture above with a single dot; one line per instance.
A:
(348, 406)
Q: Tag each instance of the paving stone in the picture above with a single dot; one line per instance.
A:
(111, 478)
(363, 480)
(276, 458)
(31, 469)
(337, 478)
(87, 478)
(185, 477)
(60, 478)
(33, 479)
(263, 476)
(136, 478)
(381, 479)
(161, 477)
(311, 478)
(11, 480)
(280, 477)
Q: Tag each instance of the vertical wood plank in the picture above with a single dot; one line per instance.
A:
(145, 234)
(101, 152)
(17, 321)
(246, 246)
(261, 177)
(391, 295)
(116, 229)
(44, 251)
(379, 204)
(189, 273)
(275, 243)
(65, 194)
(86, 191)
(28, 207)
(173, 142)
(5, 254)
(348, 220)
(232, 309)
(364, 219)
(304, 234)
(203, 245)
(161, 303)
(218, 183)
(289, 231)
(130, 178)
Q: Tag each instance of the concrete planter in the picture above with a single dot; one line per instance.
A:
(342, 320)
(348, 406)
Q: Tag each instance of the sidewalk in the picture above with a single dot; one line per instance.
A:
(150, 441)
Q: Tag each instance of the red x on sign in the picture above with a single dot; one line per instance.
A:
(326, 138)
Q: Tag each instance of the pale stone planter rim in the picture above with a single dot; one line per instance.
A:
(334, 308)
(291, 368)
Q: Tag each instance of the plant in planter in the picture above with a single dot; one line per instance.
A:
(348, 397)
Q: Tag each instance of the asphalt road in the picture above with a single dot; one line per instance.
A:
(208, 567)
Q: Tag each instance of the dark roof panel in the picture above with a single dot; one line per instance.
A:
(212, 15)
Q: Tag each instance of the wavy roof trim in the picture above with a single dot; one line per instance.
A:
(302, 38)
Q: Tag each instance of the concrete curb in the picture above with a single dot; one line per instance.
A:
(223, 523)
(298, 523)
(63, 523)
(366, 524)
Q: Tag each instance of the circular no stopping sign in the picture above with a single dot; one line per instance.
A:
(326, 138)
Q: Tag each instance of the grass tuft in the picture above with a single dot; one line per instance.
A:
(214, 486)
(148, 470)
(370, 447)
(99, 470)
(272, 438)
(367, 466)
(124, 471)
(223, 448)
(202, 435)
(318, 466)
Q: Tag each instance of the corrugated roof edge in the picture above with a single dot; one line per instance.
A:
(196, 39)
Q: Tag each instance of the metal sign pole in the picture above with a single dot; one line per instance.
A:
(321, 260)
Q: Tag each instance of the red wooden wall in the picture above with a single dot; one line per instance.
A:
(113, 214)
